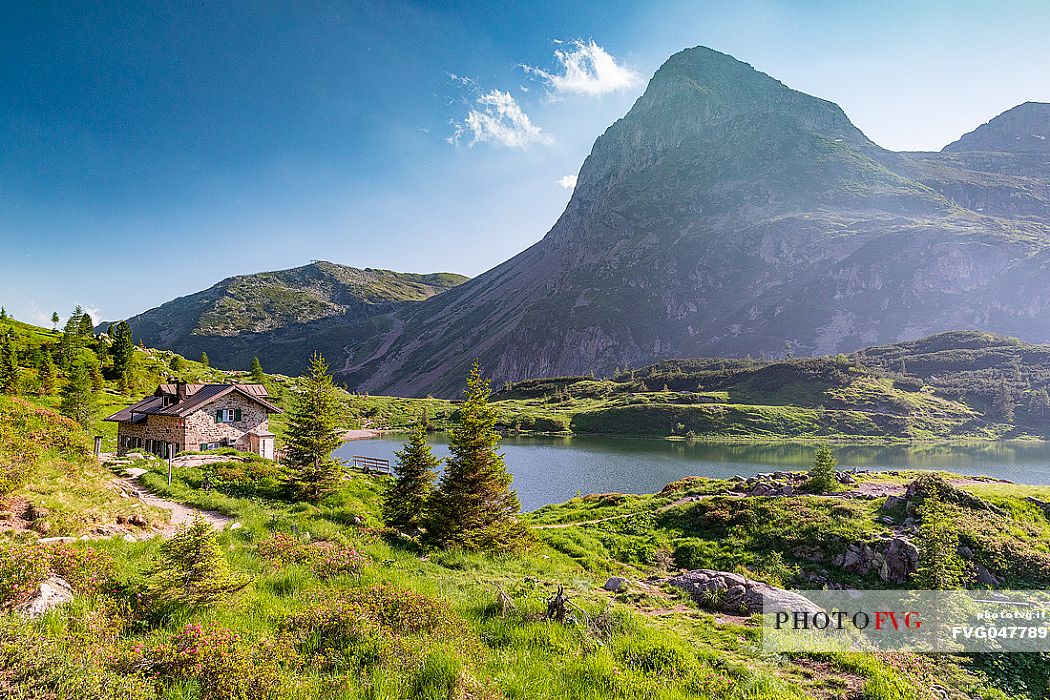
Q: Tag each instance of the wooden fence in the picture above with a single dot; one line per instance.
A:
(372, 464)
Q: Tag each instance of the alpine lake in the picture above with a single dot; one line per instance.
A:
(554, 469)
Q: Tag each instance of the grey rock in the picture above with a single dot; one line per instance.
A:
(985, 577)
(50, 594)
(615, 584)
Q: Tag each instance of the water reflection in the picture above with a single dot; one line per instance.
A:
(552, 469)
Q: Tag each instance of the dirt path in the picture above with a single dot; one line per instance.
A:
(180, 514)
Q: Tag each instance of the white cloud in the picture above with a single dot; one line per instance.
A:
(586, 69)
(567, 181)
(498, 119)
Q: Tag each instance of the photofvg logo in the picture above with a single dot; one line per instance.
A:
(919, 621)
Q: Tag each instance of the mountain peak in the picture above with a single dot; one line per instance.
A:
(1023, 129)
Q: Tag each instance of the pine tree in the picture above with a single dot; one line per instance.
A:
(78, 400)
(192, 569)
(313, 434)
(98, 382)
(1039, 404)
(1003, 401)
(404, 503)
(48, 374)
(940, 566)
(474, 506)
(3, 313)
(204, 359)
(257, 371)
(54, 320)
(822, 477)
(123, 355)
(69, 344)
(9, 373)
(85, 327)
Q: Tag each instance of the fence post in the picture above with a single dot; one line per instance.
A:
(98, 447)
(170, 446)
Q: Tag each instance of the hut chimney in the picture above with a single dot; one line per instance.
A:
(180, 391)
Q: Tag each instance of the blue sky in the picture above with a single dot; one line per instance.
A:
(148, 150)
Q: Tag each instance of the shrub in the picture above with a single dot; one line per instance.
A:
(248, 477)
(36, 666)
(370, 626)
(326, 559)
(22, 567)
(89, 571)
(212, 656)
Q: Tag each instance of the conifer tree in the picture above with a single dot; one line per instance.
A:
(123, 355)
(940, 566)
(54, 320)
(204, 359)
(313, 434)
(192, 569)
(257, 371)
(405, 502)
(3, 313)
(822, 477)
(98, 382)
(85, 327)
(78, 399)
(474, 506)
(48, 374)
(175, 363)
(9, 374)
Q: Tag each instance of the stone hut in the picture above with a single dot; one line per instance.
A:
(198, 417)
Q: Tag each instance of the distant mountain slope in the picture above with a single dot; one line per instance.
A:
(245, 315)
(727, 214)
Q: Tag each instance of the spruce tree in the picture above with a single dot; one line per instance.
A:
(313, 434)
(85, 327)
(204, 359)
(123, 355)
(940, 566)
(404, 503)
(98, 382)
(3, 313)
(9, 374)
(54, 320)
(474, 506)
(48, 374)
(257, 371)
(822, 477)
(78, 399)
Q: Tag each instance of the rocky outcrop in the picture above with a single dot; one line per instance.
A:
(782, 483)
(50, 594)
(893, 560)
(724, 590)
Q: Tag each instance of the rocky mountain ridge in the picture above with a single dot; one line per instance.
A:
(725, 215)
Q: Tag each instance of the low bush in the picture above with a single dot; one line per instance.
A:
(88, 571)
(326, 559)
(22, 567)
(213, 657)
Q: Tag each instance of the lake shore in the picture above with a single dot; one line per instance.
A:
(360, 434)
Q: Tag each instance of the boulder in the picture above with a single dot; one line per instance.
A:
(724, 590)
(985, 577)
(50, 594)
(615, 584)
(894, 503)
